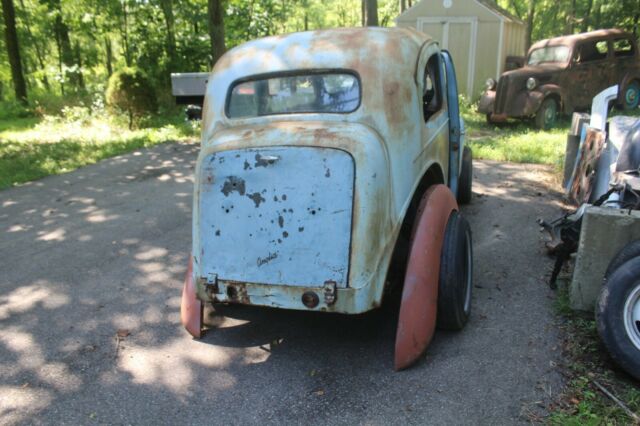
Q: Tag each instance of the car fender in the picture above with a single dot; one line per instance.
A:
(418, 309)
(191, 307)
(554, 90)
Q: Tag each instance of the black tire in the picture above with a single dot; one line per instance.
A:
(627, 253)
(465, 181)
(547, 114)
(456, 275)
(618, 326)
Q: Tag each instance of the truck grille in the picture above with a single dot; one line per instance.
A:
(501, 95)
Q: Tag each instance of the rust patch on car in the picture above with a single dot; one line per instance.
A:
(257, 198)
(233, 184)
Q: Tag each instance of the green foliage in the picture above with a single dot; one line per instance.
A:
(582, 403)
(31, 148)
(129, 90)
(514, 141)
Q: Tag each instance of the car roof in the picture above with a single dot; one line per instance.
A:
(570, 40)
(356, 49)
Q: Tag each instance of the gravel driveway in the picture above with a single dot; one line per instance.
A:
(90, 277)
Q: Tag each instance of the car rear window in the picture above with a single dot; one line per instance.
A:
(549, 54)
(326, 92)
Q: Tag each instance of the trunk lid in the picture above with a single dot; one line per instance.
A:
(276, 215)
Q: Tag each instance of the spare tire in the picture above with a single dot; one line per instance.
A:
(627, 253)
(618, 316)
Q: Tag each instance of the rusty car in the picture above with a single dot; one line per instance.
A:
(326, 157)
(562, 75)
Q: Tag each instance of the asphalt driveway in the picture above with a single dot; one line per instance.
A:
(91, 268)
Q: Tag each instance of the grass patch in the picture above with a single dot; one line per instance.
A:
(32, 148)
(582, 403)
(514, 141)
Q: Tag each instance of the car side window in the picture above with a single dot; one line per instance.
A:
(623, 47)
(432, 95)
(592, 51)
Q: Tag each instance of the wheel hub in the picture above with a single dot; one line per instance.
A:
(631, 96)
(632, 316)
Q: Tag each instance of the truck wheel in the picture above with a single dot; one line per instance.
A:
(456, 275)
(618, 316)
(627, 253)
(631, 95)
(465, 181)
(547, 114)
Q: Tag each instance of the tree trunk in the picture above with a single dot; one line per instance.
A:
(216, 29)
(587, 17)
(13, 50)
(78, 58)
(36, 45)
(371, 13)
(61, 31)
(403, 5)
(531, 11)
(571, 18)
(109, 51)
(124, 30)
(363, 12)
(167, 11)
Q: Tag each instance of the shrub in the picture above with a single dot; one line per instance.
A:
(130, 92)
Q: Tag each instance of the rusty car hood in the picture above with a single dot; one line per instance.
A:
(535, 70)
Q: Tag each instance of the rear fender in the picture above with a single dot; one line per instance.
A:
(418, 309)
(191, 306)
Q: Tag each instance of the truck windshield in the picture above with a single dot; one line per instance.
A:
(549, 54)
(308, 93)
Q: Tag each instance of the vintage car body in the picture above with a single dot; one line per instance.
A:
(302, 210)
(563, 74)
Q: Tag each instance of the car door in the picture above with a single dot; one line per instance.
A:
(624, 58)
(590, 71)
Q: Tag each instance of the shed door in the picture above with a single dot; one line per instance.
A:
(458, 36)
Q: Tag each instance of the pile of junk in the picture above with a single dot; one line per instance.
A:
(601, 237)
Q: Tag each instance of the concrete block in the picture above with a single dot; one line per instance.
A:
(604, 232)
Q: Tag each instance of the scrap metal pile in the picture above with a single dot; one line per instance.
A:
(602, 178)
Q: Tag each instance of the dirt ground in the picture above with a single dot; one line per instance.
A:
(90, 280)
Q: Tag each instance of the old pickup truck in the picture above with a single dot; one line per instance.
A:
(563, 74)
(326, 157)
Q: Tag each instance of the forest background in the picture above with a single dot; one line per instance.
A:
(57, 53)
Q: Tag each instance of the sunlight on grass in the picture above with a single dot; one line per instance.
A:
(516, 141)
(528, 146)
(31, 150)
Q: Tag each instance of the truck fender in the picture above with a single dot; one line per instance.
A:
(418, 308)
(191, 306)
(553, 90)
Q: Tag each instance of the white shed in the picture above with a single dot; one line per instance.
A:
(478, 33)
